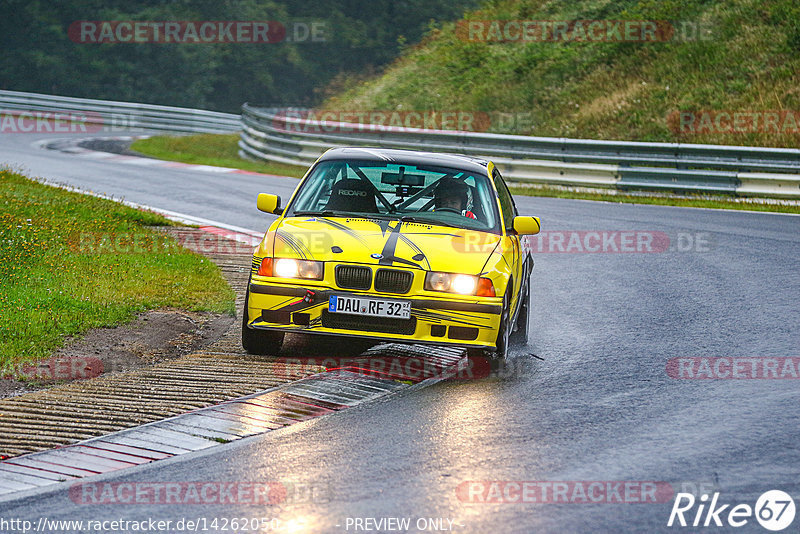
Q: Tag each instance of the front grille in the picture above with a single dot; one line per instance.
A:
(393, 281)
(353, 277)
(385, 325)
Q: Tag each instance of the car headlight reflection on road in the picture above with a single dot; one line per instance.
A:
(463, 284)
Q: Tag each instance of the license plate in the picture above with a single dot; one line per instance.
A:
(398, 309)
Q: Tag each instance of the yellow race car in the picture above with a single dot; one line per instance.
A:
(393, 245)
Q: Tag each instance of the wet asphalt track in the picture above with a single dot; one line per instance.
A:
(597, 406)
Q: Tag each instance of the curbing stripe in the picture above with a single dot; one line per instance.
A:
(135, 452)
(172, 438)
(30, 480)
(279, 407)
(201, 432)
(52, 467)
(144, 442)
(110, 455)
(70, 456)
(31, 471)
(222, 423)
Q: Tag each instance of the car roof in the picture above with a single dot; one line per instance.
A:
(411, 157)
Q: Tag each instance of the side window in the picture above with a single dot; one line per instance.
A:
(506, 200)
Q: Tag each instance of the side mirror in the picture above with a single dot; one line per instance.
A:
(527, 225)
(269, 203)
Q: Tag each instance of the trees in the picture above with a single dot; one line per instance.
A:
(359, 36)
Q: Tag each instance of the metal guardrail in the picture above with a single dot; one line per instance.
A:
(274, 135)
(118, 116)
(277, 135)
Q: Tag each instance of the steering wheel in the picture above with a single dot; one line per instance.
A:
(451, 210)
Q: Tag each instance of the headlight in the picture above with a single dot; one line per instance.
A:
(463, 284)
(290, 268)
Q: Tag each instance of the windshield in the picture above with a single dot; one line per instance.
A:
(437, 195)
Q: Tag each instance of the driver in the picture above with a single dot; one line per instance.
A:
(452, 195)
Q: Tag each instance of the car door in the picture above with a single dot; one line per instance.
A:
(511, 241)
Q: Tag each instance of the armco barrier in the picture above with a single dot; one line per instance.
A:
(123, 115)
(273, 134)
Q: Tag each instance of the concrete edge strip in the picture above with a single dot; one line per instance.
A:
(278, 407)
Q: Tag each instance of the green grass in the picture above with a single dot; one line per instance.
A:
(209, 149)
(699, 201)
(604, 90)
(71, 262)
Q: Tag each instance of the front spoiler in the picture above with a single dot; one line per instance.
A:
(404, 341)
(419, 304)
(303, 309)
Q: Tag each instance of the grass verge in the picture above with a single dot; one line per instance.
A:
(220, 150)
(71, 262)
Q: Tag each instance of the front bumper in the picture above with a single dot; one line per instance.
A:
(454, 320)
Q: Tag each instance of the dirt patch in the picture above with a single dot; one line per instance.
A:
(612, 103)
(153, 337)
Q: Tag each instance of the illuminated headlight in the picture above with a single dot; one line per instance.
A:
(463, 284)
(289, 268)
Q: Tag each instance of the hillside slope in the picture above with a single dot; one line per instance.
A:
(744, 57)
(47, 49)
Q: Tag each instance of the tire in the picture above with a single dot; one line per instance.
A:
(500, 352)
(519, 337)
(261, 342)
(497, 356)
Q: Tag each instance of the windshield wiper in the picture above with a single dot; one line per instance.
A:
(424, 220)
(323, 213)
(351, 214)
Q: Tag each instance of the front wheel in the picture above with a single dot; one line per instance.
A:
(519, 337)
(261, 342)
(500, 352)
(497, 356)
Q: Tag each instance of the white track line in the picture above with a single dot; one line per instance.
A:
(238, 233)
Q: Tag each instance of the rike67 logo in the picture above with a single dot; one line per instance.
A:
(774, 510)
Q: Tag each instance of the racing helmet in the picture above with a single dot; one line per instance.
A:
(450, 188)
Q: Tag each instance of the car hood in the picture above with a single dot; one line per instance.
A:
(384, 242)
